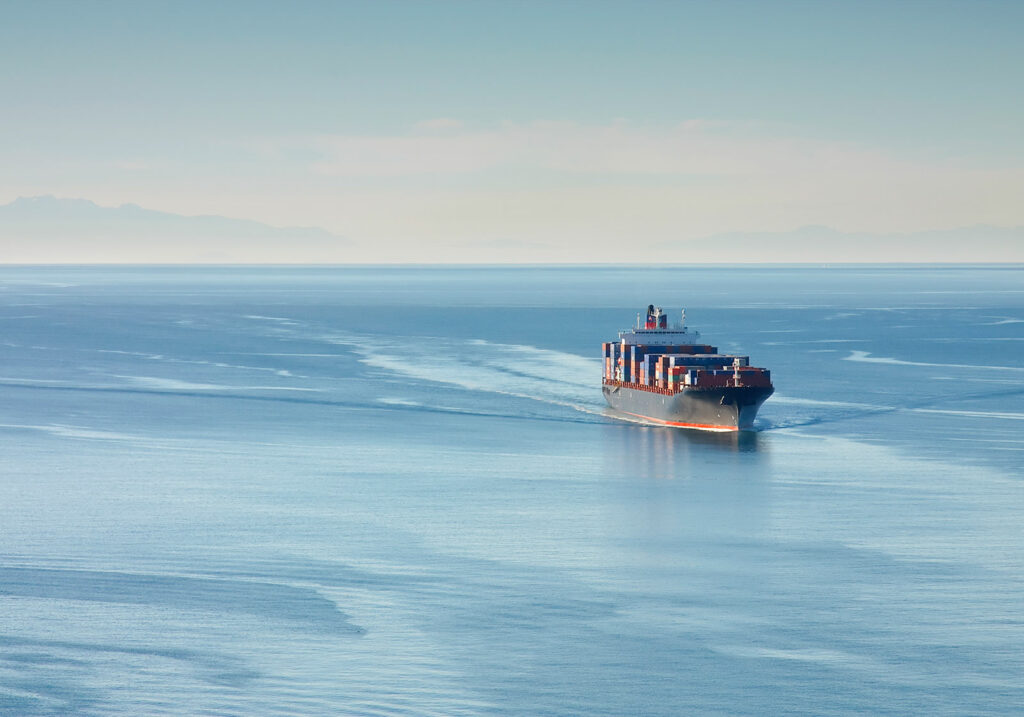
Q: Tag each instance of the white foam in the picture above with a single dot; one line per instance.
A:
(398, 402)
(35, 381)
(65, 431)
(201, 362)
(517, 370)
(976, 338)
(780, 398)
(298, 355)
(278, 319)
(172, 384)
(141, 354)
(866, 357)
(976, 439)
(89, 433)
(833, 659)
(31, 282)
(974, 414)
(814, 341)
(995, 381)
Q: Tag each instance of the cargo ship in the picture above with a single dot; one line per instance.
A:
(665, 374)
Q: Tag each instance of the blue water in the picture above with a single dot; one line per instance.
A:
(398, 492)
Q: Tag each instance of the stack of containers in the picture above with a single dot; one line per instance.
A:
(711, 361)
(663, 367)
(677, 377)
(655, 365)
(694, 349)
(650, 363)
(682, 370)
(713, 378)
(751, 376)
(635, 354)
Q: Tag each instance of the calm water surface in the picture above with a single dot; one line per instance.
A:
(398, 492)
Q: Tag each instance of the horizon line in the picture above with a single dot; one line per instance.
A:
(506, 265)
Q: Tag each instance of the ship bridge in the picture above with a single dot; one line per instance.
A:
(659, 337)
(655, 330)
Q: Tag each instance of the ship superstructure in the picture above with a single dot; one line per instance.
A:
(666, 374)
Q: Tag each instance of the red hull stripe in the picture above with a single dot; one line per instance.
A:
(684, 425)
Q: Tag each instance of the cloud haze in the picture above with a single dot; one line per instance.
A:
(526, 131)
(589, 191)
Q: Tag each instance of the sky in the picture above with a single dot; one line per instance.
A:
(441, 131)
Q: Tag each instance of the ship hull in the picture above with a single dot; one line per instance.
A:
(723, 409)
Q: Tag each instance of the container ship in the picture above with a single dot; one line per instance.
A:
(665, 374)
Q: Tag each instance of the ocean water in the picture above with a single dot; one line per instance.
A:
(397, 491)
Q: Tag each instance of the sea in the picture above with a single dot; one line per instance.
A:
(398, 491)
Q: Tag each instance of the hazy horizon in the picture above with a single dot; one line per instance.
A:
(51, 230)
(520, 133)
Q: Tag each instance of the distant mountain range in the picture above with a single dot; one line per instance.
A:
(980, 243)
(51, 230)
(46, 230)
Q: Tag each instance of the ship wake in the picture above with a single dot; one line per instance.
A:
(521, 371)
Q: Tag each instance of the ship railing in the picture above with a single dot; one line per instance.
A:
(731, 383)
(642, 387)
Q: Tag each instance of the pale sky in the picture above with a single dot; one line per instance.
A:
(439, 131)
